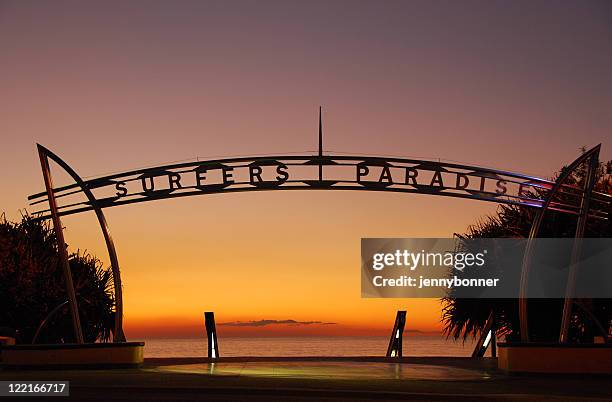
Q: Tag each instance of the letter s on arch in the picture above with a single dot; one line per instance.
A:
(121, 189)
(282, 174)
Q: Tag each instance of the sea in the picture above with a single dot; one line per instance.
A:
(413, 345)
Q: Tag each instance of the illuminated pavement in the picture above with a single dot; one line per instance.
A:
(331, 370)
(318, 379)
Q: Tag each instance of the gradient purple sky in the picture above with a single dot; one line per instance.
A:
(113, 85)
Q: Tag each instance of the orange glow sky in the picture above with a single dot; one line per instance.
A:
(111, 86)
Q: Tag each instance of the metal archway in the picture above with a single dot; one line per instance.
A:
(303, 172)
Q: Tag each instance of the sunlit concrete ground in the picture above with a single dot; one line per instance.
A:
(319, 379)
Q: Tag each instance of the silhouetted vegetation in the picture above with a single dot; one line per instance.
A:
(32, 285)
(463, 317)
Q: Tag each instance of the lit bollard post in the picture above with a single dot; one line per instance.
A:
(395, 343)
(211, 335)
(487, 337)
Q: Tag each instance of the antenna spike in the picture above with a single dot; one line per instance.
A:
(320, 145)
(320, 133)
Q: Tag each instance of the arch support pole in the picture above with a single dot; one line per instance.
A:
(592, 155)
(574, 267)
(61, 248)
(45, 155)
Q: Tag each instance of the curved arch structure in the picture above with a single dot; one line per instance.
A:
(591, 158)
(45, 155)
(304, 172)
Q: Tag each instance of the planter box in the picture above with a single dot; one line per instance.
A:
(555, 358)
(89, 355)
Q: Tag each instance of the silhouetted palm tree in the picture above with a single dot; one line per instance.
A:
(465, 317)
(32, 285)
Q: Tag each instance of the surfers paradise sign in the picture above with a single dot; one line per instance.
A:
(308, 172)
(305, 172)
(320, 171)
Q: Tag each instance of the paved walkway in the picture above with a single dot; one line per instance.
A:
(357, 379)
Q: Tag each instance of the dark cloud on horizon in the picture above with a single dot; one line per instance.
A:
(263, 323)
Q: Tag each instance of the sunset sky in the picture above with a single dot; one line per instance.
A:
(110, 86)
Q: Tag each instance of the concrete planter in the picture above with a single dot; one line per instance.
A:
(89, 355)
(555, 358)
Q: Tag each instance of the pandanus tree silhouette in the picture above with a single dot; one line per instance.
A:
(466, 317)
(32, 287)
